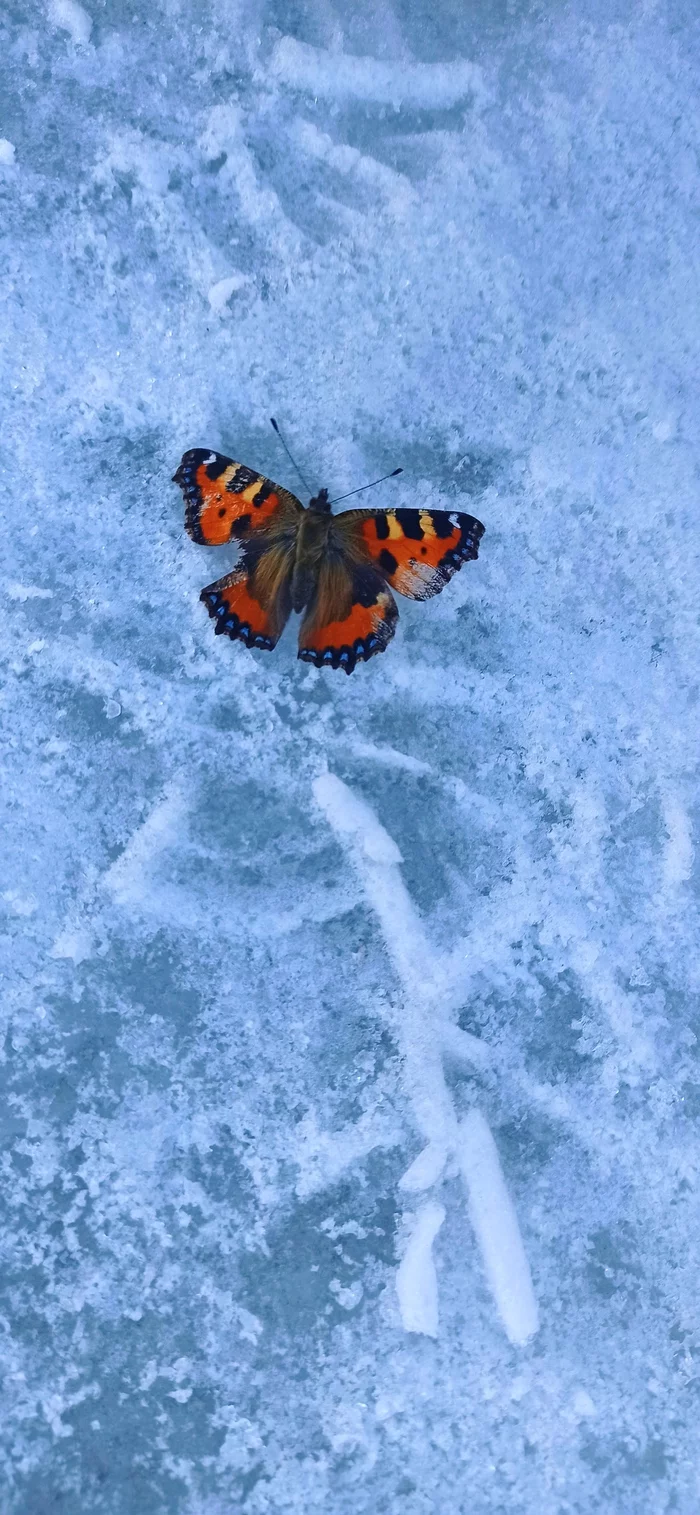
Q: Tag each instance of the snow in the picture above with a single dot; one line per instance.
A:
(350, 1079)
(430, 86)
(496, 1228)
(424, 1036)
(72, 18)
(416, 1278)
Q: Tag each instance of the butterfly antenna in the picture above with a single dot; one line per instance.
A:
(366, 486)
(289, 455)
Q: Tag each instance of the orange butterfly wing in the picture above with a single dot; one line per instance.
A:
(352, 615)
(417, 551)
(252, 603)
(225, 500)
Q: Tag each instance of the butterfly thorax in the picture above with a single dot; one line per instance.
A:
(311, 546)
(321, 503)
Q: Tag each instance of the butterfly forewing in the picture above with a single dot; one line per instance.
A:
(225, 500)
(417, 551)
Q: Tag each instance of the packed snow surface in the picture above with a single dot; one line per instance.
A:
(350, 1081)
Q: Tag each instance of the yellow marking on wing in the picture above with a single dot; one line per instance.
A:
(396, 531)
(248, 494)
(426, 524)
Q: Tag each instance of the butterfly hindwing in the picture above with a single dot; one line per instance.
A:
(252, 604)
(225, 500)
(352, 615)
(417, 551)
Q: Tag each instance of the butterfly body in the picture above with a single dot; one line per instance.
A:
(338, 570)
(312, 544)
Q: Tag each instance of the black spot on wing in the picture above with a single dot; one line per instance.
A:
(381, 526)
(441, 523)
(409, 521)
(472, 532)
(472, 529)
(366, 586)
(387, 562)
(240, 479)
(217, 465)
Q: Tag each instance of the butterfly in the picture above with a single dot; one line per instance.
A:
(339, 570)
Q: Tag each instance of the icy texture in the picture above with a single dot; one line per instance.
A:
(350, 1079)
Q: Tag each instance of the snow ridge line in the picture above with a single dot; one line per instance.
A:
(425, 1038)
(361, 79)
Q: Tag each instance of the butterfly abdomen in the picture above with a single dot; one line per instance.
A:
(311, 548)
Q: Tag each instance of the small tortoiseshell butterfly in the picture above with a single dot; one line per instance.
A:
(340, 570)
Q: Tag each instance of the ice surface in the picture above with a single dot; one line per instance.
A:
(351, 1088)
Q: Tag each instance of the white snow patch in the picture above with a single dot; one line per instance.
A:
(71, 18)
(127, 879)
(74, 943)
(220, 294)
(347, 76)
(7, 152)
(19, 904)
(352, 818)
(416, 1280)
(389, 757)
(348, 1297)
(425, 1170)
(323, 1157)
(425, 1037)
(583, 1405)
(24, 592)
(395, 189)
(464, 1048)
(495, 1223)
(678, 852)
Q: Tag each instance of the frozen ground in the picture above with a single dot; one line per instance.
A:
(351, 1090)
